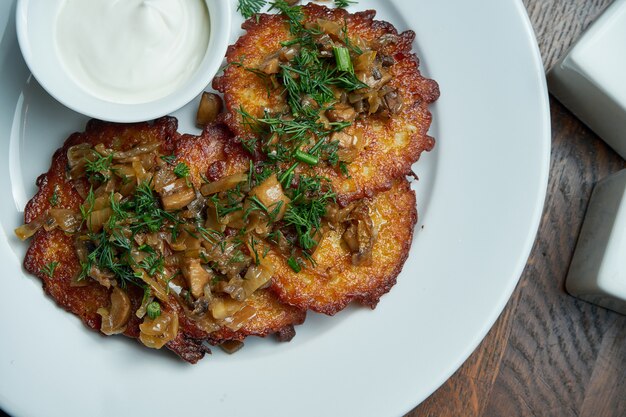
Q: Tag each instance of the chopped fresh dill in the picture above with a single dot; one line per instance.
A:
(210, 235)
(256, 205)
(148, 212)
(54, 198)
(343, 167)
(294, 264)
(181, 170)
(310, 81)
(343, 3)
(305, 213)
(237, 257)
(346, 40)
(168, 280)
(98, 169)
(294, 14)
(249, 144)
(110, 248)
(249, 8)
(105, 258)
(153, 264)
(253, 243)
(120, 241)
(169, 159)
(87, 207)
(49, 268)
(287, 176)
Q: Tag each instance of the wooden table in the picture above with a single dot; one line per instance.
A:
(550, 354)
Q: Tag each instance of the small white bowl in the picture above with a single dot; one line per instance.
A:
(589, 79)
(35, 22)
(598, 270)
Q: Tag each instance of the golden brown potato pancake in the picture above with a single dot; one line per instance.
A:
(394, 143)
(205, 155)
(334, 281)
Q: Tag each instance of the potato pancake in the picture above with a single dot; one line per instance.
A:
(387, 142)
(334, 280)
(85, 297)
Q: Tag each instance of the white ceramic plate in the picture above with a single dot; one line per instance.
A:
(480, 199)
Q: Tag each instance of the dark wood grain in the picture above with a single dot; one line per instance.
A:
(555, 339)
(550, 354)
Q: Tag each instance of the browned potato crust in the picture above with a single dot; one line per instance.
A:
(124, 136)
(272, 317)
(335, 281)
(394, 144)
(213, 154)
(200, 153)
(56, 246)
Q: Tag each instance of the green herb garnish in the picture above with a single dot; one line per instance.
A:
(342, 57)
(49, 268)
(181, 170)
(306, 158)
(153, 264)
(305, 214)
(343, 3)
(54, 198)
(149, 216)
(249, 8)
(98, 169)
(169, 159)
(294, 264)
(153, 310)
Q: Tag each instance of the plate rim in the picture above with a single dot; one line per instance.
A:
(538, 212)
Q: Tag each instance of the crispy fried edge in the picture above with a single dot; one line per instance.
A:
(83, 301)
(283, 319)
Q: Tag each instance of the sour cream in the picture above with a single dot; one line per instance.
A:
(131, 51)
